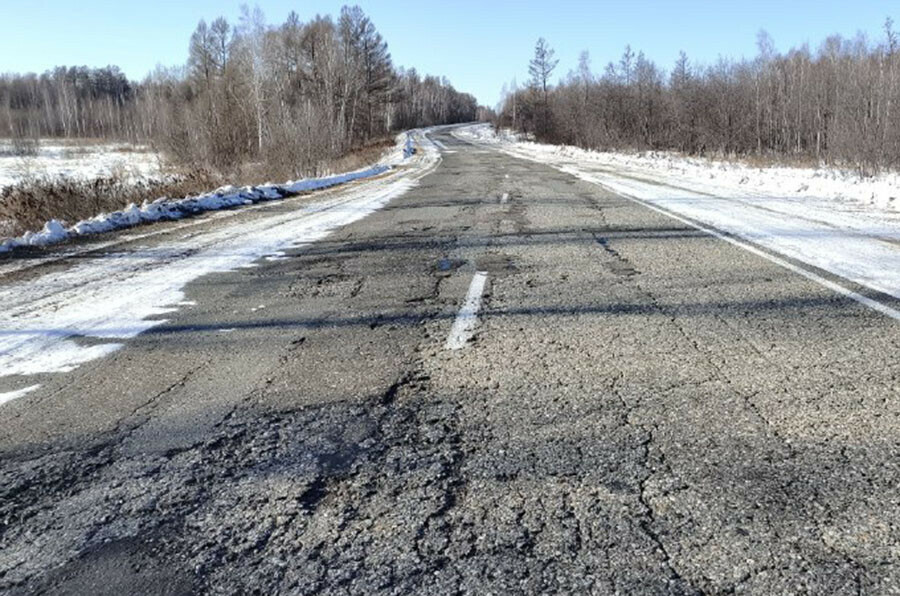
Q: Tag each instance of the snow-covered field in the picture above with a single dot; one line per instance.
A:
(832, 220)
(83, 161)
(40, 317)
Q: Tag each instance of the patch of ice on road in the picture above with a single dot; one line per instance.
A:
(11, 395)
(820, 217)
(35, 358)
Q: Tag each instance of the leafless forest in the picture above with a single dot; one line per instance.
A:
(293, 96)
(837, 104)
(298, 95)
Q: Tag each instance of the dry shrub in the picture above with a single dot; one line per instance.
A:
(278, 171)
(361, 156)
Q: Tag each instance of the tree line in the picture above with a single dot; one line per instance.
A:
(66, 102)
(293, 95)
(839, 104)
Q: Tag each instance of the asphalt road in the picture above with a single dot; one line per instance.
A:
(643, 408)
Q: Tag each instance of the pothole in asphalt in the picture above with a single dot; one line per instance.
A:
(496, 264)
(621, 268)
(446, 265)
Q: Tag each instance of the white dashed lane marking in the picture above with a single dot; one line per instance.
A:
(464, 325)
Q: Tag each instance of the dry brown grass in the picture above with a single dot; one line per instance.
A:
(264, 171)
(362, 156)
(26, 206)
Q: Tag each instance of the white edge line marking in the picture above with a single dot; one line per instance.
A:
(465, 321)
(504, 198)
(11, 395)
(835, 287)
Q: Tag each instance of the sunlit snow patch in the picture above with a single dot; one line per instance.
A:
(11, 395)
(815, 217)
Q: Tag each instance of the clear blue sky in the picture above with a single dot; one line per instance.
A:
(478, 45)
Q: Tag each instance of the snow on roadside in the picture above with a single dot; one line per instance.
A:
(55, 231)
(840, 231)
(38, 318)
(11, 395)
(161, 209)
(881, 192)
(42, 317)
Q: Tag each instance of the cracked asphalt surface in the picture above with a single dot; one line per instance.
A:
(643, 409)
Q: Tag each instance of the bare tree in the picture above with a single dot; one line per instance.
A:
(286, 99)
(542, 66)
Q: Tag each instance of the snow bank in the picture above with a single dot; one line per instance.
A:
(169, 209)
(53, 232)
